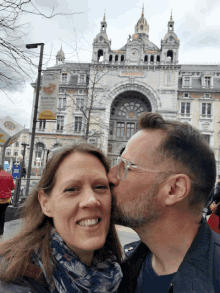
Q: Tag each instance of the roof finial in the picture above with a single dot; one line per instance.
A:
(142, 10)
(104, 16)
(171, 16)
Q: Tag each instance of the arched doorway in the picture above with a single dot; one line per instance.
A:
(125, 111)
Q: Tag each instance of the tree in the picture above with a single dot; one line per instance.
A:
(95, 88)
(16, 62)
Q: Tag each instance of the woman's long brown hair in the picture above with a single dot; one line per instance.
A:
(15, 253)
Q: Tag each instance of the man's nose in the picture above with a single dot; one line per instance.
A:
(89, 200)
(112, 176)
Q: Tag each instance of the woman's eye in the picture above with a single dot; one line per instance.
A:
(101, 187)
(71, 189)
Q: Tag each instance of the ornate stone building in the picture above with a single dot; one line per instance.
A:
(110, 93)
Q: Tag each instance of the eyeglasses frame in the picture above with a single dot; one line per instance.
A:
(129, 164)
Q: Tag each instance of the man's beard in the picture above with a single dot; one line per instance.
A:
(140, 211)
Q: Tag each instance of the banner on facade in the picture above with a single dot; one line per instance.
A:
(49, 95)
(10, 131)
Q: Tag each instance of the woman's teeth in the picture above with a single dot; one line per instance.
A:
(88, 222)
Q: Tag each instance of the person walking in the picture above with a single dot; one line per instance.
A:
(6, 185)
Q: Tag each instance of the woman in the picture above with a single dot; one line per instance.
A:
(67, 243)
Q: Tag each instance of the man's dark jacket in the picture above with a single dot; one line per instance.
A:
(199, 271)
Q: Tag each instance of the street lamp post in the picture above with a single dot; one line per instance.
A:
(32, 46)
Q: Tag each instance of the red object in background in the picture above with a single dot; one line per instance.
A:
(213, 222)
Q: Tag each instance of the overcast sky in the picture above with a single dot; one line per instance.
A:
(197, 25)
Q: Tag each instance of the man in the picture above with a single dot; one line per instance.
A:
(6, 185)
(160, 185)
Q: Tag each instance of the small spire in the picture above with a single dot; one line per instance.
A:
(104, 17)
(171, 16)
(142, 10)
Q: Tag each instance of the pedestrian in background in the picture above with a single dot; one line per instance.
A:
(214, 219)
(6, 185)
(23, 174)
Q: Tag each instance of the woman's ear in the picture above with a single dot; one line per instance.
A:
(177, 188)
(45, 203)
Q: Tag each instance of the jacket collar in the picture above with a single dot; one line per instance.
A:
(197, 265)
(195, 273)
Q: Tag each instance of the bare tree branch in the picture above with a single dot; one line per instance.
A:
(17, 64)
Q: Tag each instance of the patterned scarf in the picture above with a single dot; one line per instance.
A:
(72, 275)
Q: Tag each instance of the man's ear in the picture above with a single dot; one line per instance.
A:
(45, 203)
(177, 188)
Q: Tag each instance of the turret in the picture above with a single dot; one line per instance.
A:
(170, 45)
(60, 57)
(142, 26)
(101, 44)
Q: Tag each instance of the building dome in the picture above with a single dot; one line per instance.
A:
(60, 53)
(142, 26)
(142, 20)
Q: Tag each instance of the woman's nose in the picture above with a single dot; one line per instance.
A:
(89, 200)
(112, 176)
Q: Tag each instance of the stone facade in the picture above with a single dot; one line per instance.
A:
(118, 85)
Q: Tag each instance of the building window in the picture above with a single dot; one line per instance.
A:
(8, 152)
(39, 149)
(206, 138)
(80, 103)
(152, 58)
(206, 109)
(130, 130)
(42, 124)
(64, 77)
(186, 81)
(80, 92)
(206, 96)
(120, 129)
(158, 58)
(186, 95)
(122, 58)
(78, 124)
(185, 108)
(110, 58)
(81, 78)
(60, 122)
(62, 103)
(109, 148)
(116, 58)
(111, 128)
(17, 144)
(145, 58)
(62, 91)
(207, 81)
(15, 153)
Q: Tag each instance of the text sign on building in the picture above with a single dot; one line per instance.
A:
(132, 74)
(49, 95)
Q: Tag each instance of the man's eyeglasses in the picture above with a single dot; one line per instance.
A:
(123, 166)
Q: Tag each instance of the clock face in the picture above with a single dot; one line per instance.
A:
(134, 54)
(135, 36)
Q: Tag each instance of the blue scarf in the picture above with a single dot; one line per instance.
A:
(72, 275)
